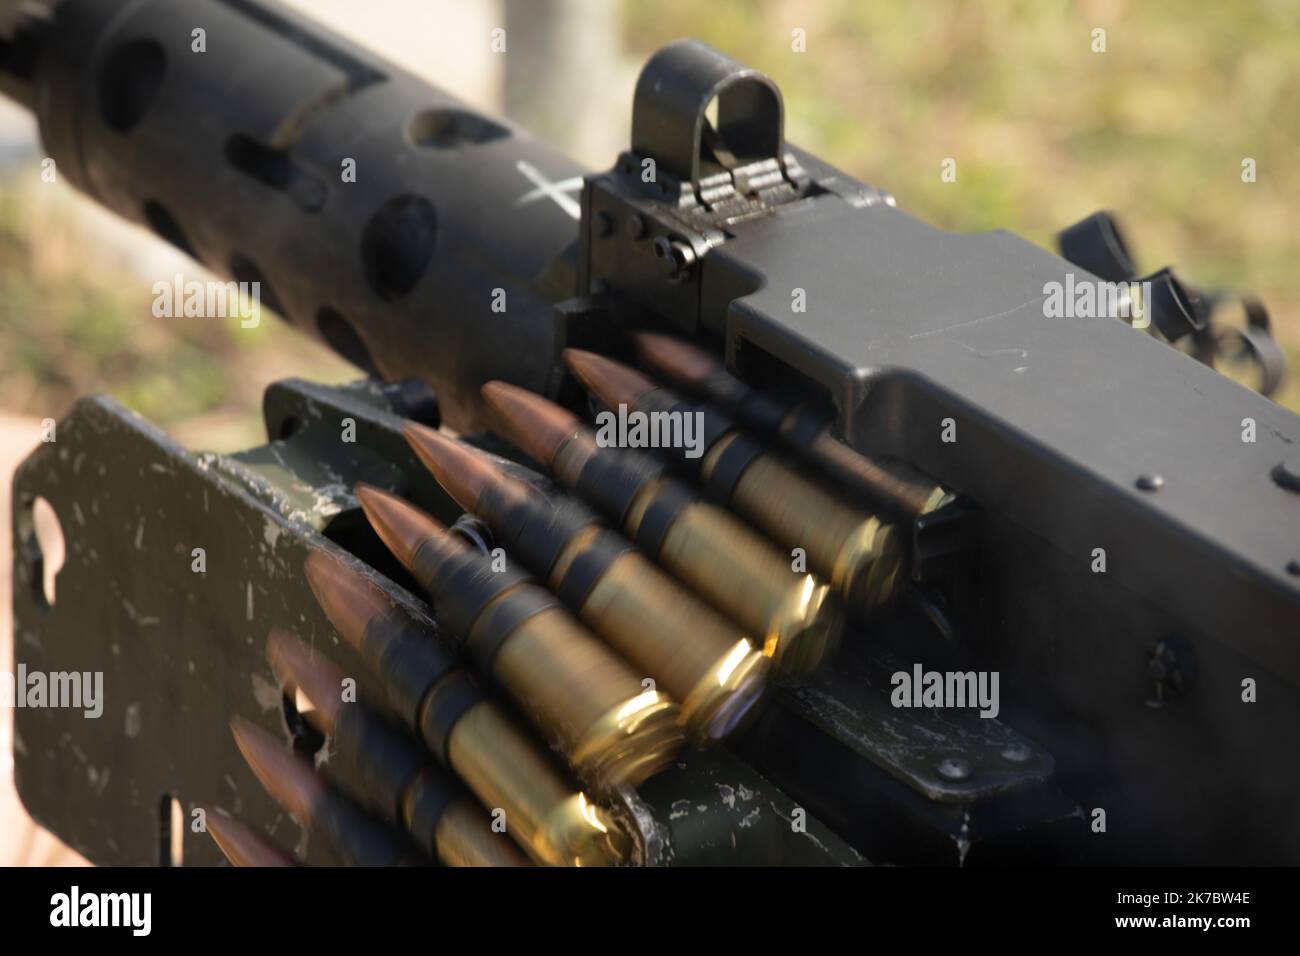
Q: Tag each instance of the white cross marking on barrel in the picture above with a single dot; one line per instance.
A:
(556, 191)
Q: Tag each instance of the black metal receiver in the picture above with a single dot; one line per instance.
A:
(1121, 546)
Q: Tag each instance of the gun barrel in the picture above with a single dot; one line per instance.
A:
(389, 216)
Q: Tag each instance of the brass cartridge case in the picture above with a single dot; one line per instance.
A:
(899, 486)
(556, 824)
(585, 699)
(793, 617)
(394, 774)
(462, 841)
(894, 484)
(473, 735)
(697, 656)
(461, 837)
(587, 702)
(859, 554)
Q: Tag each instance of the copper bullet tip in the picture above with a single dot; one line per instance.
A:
(536, 426)
(407, 532)
(348, 599)
(289, 779)
(299, 667)
(612, 382)
(400, 525)
(676, 359)
(461, 470)
(242, 845)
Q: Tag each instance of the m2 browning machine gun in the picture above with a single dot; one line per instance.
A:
(911, 479)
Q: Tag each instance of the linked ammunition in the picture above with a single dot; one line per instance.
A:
(354, 836)
(395, 772)
(584, 698)
(793, 616)
(469, 733)
(861, 555)
(242, 845)
(805, 427)
(696, 655)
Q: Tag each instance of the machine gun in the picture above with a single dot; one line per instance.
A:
(1062, 508)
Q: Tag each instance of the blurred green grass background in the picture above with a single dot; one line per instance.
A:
(1043, 130)
(76, 318)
